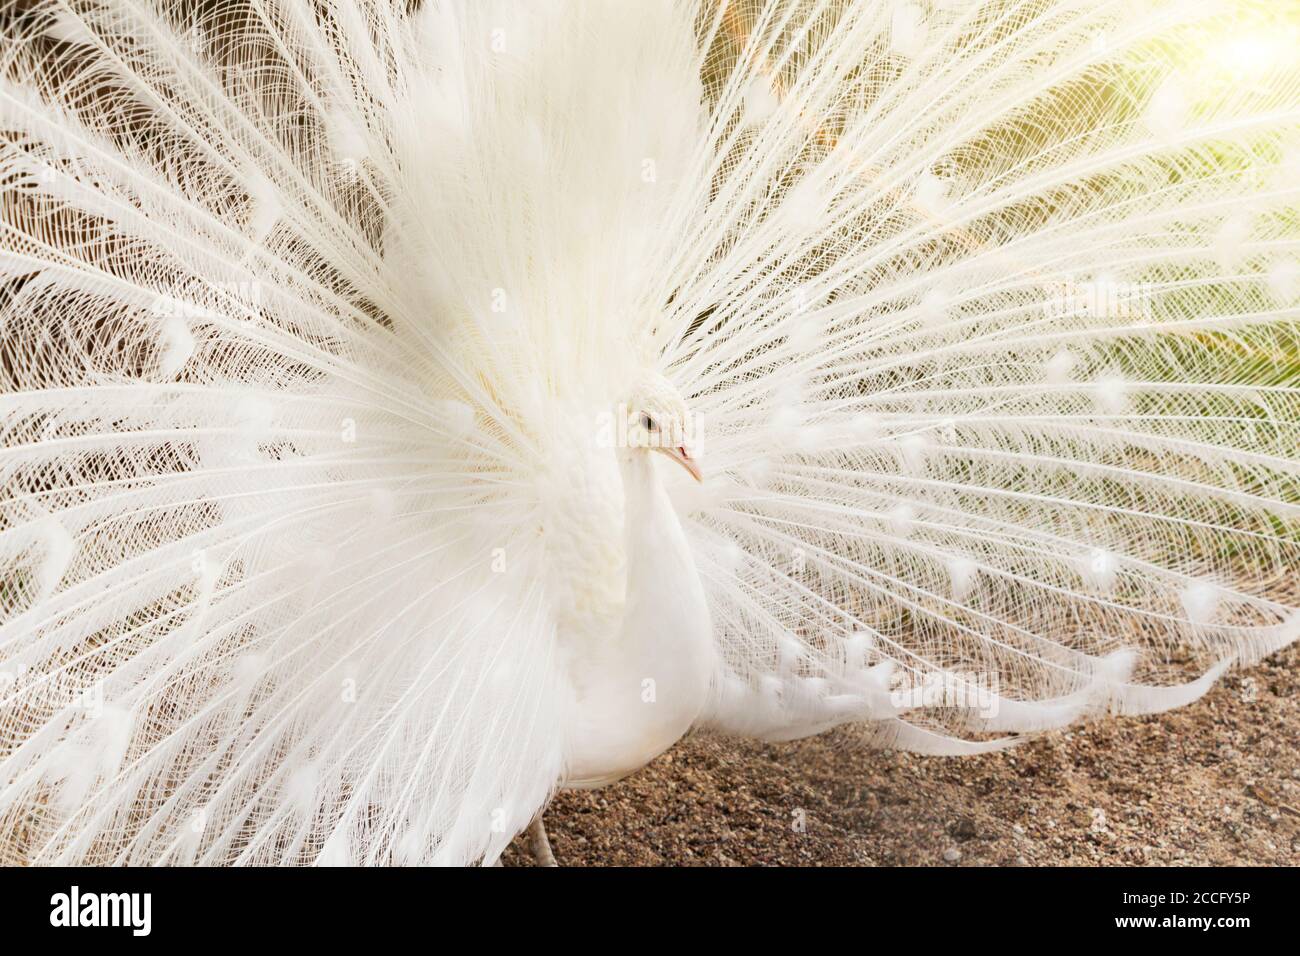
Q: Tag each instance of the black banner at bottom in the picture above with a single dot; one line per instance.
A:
(329, 906)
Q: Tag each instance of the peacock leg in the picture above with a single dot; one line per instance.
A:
(542, 854)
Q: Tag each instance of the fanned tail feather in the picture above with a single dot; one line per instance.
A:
(993, 338)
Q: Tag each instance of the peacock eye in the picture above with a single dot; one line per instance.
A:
(648, 423)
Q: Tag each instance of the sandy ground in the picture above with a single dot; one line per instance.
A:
(1216, 783)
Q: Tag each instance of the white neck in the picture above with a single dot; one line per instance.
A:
(648, 690)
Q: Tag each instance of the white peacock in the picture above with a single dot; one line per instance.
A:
(977, 324)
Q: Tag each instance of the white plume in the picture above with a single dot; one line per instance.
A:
(990, 327)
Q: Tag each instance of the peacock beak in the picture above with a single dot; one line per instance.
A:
(683, 458)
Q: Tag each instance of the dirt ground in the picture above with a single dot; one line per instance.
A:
(1217, 783)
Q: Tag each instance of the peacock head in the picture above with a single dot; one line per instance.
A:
(660, 420)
